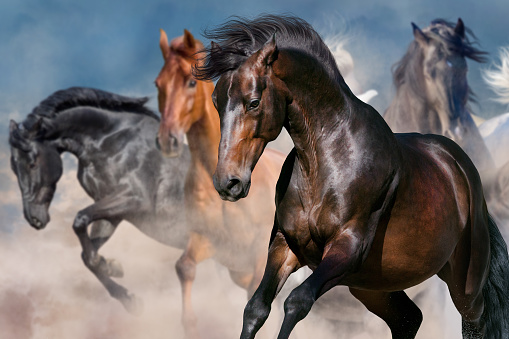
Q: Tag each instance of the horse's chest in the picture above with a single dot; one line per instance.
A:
(305, 228)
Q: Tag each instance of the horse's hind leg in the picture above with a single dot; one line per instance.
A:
(470, 306)
(395, 308)
(198, 249)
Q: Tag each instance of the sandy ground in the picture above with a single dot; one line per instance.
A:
(47, 293)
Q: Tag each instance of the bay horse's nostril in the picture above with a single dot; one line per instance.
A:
(232, 183)
(234, 187)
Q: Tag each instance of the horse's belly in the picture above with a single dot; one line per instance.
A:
(404, 258)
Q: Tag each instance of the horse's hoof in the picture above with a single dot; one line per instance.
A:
(115, 269)
(133, 304)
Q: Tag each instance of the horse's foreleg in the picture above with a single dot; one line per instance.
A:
(198, 249)
(340, 258)
(100, 232)
(281, 262)
(110, 208)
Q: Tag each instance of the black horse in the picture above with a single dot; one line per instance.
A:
(118, 166)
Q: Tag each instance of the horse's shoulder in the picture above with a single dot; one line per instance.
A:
(285, 175)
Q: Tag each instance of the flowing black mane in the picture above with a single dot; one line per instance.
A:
(239, 38)
(83, 96)
(409, 68)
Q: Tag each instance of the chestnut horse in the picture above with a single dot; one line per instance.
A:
(361, 206)
(236, 235)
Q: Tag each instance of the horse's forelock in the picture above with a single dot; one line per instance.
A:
(464, 46)
(19, 139)
(239, 38)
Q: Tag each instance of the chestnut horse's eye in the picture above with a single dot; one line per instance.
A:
(192, 83)
(253, 104)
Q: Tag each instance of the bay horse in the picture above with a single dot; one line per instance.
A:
(361, 206)
(119, 167)
(432, 91)
(236, 235)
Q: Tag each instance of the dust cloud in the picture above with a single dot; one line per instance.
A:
(47, 292)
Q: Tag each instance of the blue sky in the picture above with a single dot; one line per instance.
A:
(113, 45)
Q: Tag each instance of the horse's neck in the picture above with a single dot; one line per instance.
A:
(72, 131)
(333, 118)
(408, 112)
(204, 135)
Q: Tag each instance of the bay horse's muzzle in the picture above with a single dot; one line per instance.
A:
(231, 188)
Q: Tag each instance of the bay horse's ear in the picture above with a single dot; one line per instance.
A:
(189, 42)
(269, 52)
(419, 35)
(163, 44)
(460, 29)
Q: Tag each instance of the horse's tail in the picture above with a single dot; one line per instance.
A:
(496, 289)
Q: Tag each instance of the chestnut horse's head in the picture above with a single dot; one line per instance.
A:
(252, 104)
(178, 91)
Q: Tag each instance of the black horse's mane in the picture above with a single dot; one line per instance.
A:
(239, 38)
(409, 68)
(83, 96)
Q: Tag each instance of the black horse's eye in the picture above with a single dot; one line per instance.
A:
(253, 104)
(192, 83)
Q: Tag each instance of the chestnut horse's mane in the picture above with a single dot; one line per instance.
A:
(239, 38)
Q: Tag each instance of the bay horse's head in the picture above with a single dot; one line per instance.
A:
(435, 66)
(38, 167)
(178, 91)
(252, 104)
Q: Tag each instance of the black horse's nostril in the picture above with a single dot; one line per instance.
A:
(36, 222)
(158, 146)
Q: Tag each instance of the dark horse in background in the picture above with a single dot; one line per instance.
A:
(118, 166)
(361, 206)
(432, 91)
(432, 96)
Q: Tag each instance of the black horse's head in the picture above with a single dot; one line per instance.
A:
(38, 167)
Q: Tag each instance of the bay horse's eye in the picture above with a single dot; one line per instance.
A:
(192, 83)
(253, 104)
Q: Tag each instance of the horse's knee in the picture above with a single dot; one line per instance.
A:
(81, 221)
(92, 261)
(299, 302)
(186, 268)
